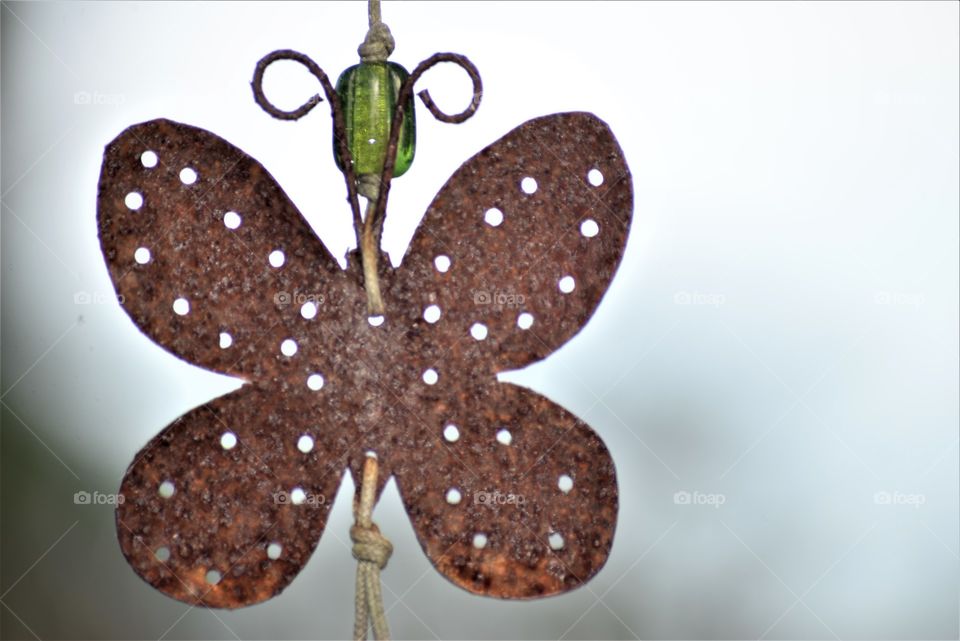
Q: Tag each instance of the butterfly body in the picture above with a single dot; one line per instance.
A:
(510, 494)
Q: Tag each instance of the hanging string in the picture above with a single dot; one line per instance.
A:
(371, 550)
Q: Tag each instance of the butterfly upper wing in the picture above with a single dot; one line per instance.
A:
(215, 492)
(528, 514)
(205, 239)
(498, 261)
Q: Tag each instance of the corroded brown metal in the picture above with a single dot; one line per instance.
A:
(231, 511)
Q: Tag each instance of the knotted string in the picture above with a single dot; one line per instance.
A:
(379, 43)
(372, 551)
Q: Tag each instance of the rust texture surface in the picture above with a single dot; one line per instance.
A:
(510, 495)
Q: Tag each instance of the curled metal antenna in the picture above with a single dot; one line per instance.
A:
(336, 112)
(374, 223)
(464, 63)
(312, 67)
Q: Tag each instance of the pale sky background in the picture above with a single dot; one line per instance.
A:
(782, 332)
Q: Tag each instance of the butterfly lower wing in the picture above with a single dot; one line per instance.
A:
(209, 256)
(518, 248)
(225, 506)
(518, 501)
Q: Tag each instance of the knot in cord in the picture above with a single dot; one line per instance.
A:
(378, 45)
(371, 550)
(369, 546)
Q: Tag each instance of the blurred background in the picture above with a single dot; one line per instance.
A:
(775, 368)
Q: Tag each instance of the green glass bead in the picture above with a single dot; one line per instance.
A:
(368, 94)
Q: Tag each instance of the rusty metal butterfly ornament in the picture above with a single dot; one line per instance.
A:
(510, 494)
